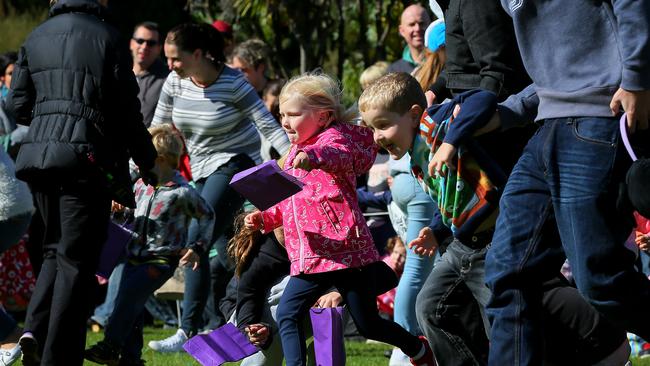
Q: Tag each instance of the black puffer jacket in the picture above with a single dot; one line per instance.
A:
(73, 85)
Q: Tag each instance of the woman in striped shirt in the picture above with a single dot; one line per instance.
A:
(219, 114)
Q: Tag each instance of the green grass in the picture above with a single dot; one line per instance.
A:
(358, 353)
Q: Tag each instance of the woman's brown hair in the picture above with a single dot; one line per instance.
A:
(434, 62)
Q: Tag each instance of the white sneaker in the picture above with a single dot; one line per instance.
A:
(9, 356)
(399, 358)
(173, 343)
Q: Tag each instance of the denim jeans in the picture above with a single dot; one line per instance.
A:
(104, 311)
(226, 202)
(419, 208)
(450, 306)
(125, 325)
(571, 169)
(355, 286)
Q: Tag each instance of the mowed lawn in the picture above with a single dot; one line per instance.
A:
(358, 353)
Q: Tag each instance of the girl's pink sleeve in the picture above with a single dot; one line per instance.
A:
(272, 219)
(330, 153)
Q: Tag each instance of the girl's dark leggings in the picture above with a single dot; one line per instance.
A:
(357, 288)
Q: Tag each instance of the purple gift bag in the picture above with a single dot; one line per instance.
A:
(327, 325)
(224, 344)
(266, 184)
(118, 236)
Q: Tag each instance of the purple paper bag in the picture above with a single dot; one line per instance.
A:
(224, 344)
(118, 236)
(266, 184)
(327, 325)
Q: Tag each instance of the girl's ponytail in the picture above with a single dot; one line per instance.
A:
(243, 244)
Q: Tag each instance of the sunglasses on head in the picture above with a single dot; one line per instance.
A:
(149, 42)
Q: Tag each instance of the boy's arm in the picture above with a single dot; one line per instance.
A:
(518, 110)
(477, 107)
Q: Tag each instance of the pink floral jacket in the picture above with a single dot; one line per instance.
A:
(324, 228)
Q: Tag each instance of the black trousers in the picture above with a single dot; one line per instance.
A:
(75, 217)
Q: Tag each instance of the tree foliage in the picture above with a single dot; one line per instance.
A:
(339, 37)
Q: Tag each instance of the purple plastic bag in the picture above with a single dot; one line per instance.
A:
(266, 184)
(327, 325)
(117, 238)
(224, 344)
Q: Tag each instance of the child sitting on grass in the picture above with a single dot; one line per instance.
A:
(162, 216)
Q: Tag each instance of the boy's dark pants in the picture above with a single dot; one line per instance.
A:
(76, 218)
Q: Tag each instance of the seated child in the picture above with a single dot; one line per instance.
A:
(395, 259)
(162, 216)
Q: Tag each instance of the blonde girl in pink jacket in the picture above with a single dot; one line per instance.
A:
(327, 239)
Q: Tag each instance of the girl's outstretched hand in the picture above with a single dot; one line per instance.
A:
(190, 258)
(425, 244)
(301, 161)
(253, 220)
(444, 156)
(257, 334)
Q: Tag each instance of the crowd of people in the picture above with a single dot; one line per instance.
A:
(476, 205)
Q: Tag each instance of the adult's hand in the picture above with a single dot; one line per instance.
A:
(637, 106)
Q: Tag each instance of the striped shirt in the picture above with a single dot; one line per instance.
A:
(217, 121)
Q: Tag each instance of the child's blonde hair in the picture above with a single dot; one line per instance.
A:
(320, 92)
(168, 143)
(395, 92)
(392, 243)
(372, 73)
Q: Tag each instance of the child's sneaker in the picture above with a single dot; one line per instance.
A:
(427, 358)
(103, 353)
(170, 344)
(29, 349)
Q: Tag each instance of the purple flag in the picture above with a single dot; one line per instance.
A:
(224, 344)
(266, 184)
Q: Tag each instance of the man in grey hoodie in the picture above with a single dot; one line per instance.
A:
(589, 60)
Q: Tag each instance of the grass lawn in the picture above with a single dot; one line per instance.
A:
(358, 353)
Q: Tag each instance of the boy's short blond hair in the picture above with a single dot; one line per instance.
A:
(168, 143)
(396, 92)
(373, 73)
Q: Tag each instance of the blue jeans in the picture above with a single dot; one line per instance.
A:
(157, 308)
(124, 327)
(104, 311)
(419, 208)
(355, 285)
(450, 306)
(226, 202)
(571, 168)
